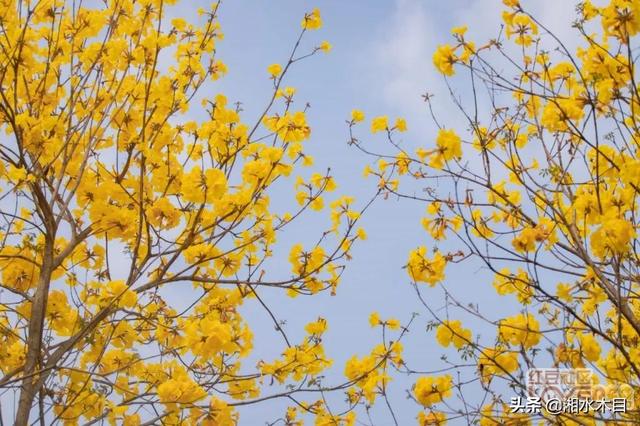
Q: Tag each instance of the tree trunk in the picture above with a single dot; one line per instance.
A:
(33, 360)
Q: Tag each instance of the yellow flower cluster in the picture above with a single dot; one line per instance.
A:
(497, 361)
(422, 269)
(430, 390)
(451, 332)
(520, 330)
(449, 147)
(306, 359)
(369, 373)
(519, 284)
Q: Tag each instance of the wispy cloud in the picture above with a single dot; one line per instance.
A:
(404, 49)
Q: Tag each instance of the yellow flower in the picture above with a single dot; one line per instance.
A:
(393, 324)
(274, 70)
(422, 269)
(317, 204)
(379, 124)
(449, 143)
(589, 347)
(480, 227)
(318, 327)
(612, 238)
(434, 418)
(520, 25)
(119, 294)
(312, 21)
(374, 319)
(17, 174)
(520, 284)
(522, 330)
(444, 58)
(182, 391)
(449, 146)
(401, 125)
(325, 46)
(178, 23)
(621, 18)
(497, 361)
(431, 390)
(357, 116)
(459, 31)
(451, 332)
(525, 241)
(589, 11)
(563, 291)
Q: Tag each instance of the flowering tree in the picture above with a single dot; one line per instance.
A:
(540, 186)
(113, 198)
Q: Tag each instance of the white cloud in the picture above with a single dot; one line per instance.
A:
(405, 61)
(404, 52)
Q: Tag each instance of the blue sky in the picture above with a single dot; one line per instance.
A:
(380, 63)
